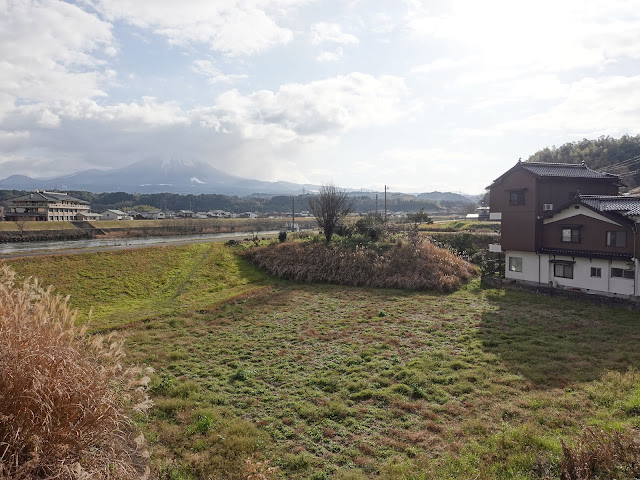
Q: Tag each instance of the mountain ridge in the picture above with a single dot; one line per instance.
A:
(182, 177)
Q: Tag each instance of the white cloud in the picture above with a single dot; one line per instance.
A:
(273, 127)
(328, 56)
(234, 27)
(526, 90)
(592, 107)
(312, 111)
(438, 65)
(502, 36)
(322, 32)
(429, 169)
(50, 51)
(208, 69)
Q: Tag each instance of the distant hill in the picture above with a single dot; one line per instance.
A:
(446, 197)
(151, 176)
(619, 156)
(192, 177)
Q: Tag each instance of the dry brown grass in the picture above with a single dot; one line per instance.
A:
(62, 394)
(603, 455)
(412, 264)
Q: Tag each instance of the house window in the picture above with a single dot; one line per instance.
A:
(562, 270)
(516, 197)
(596, 272)
(515, 264)
(616, 239)
(571, 235)
(623, 273)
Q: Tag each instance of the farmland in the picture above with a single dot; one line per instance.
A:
(324, 381)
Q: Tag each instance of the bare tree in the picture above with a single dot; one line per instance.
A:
(329, 207)
(21, 224)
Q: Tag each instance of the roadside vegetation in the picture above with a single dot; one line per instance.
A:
(258, 376)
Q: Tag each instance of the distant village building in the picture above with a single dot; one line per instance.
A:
(186, 214)
(88, 216)
(219, 214)
(46, 207)
(115, 215)
(156, 215)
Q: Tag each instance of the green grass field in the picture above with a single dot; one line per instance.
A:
(35, 226)
(326, 381)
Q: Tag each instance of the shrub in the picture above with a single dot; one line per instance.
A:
(371, 226)
(62, 393)
(282, 236)
(416, 264)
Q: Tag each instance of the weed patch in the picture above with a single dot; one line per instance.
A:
(412, 264)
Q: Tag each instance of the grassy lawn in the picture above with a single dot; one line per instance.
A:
(349, 383)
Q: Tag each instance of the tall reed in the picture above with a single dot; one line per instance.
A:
(63, 394)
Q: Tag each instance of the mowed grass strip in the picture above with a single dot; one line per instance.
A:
(352, 383)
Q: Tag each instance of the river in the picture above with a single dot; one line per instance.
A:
(48, 246)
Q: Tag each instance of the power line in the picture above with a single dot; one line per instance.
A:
(623, 163)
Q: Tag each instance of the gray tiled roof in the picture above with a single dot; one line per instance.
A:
(51, 197)
(578, 170)
(585, 253)
(625, 205)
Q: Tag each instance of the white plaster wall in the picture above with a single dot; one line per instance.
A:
(529, 266)
(622, 286)
(582, 278)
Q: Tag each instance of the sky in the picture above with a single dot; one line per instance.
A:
(416, 95)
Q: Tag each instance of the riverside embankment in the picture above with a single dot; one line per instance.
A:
(16, 232)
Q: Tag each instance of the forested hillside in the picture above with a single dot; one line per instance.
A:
(620, 156)
(263, 204)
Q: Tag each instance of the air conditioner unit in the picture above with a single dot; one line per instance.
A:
(547, 206)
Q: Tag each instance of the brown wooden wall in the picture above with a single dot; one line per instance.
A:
(521, 224)
(593, 235)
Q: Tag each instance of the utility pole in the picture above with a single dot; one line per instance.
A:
(385, 204)
(376, 204)
(293, 214)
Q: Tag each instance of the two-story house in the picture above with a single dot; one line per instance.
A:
(565, 225)
(46, 206)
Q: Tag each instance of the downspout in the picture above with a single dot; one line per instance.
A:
(635, 260)
(539, 266)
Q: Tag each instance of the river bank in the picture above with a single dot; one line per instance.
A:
(11, 232)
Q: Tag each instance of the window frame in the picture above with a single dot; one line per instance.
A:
(566, 270)
(514, 263)
(616, 235)
(517, 198)
(626, 273)
(575, 235)
(598, 271)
